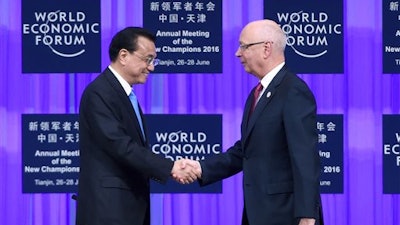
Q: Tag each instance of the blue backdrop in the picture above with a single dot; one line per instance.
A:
(362, 94)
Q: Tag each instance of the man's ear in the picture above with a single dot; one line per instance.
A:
(267, 49)
(122, 56)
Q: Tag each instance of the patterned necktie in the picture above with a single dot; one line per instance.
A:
(135, 105)
(256, 95)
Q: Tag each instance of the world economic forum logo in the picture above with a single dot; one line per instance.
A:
(63, 34)
(58, 29)
(308, 34)
(181, 144)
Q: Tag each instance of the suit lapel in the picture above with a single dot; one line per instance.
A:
(143, 123)
(246, 112)
(265, 99)
(125, 102)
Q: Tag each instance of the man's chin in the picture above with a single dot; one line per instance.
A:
(142, 81)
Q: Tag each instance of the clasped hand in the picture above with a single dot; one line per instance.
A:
(186, 171)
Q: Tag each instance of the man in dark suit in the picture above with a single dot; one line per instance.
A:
(116, 162)
(277, 151)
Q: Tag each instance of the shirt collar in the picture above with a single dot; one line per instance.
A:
(124, 83)
(266, 80)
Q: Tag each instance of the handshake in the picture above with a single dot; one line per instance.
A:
(186, 171)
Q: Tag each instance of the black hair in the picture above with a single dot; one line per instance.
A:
(127, 39)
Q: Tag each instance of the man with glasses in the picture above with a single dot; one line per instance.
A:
(116, 162)
(277, 152)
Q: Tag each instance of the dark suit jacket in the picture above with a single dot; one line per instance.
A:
(115, 160)
(277, 153)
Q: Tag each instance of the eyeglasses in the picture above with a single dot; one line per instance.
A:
(243, 47)
(150, 60)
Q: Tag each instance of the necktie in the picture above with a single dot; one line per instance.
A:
(135, 105)
(256, 95)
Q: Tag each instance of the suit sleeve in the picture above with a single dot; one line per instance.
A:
(106, 125)
(221, 166)
(302, 137)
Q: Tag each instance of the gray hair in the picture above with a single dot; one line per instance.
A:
(273, 32)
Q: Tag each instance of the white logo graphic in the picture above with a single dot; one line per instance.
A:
(59, 29)
(307, 32)
(178, 145)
